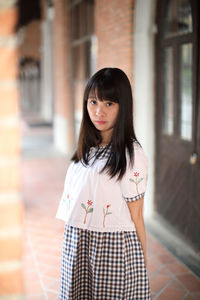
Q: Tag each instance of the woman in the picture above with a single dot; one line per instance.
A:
(104, 246)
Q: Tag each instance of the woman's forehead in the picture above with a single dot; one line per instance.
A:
(102, 94)
(93, 93)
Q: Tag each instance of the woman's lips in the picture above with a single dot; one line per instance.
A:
(100, 122)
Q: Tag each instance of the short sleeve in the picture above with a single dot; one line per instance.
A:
(134, 181)
(63, 207)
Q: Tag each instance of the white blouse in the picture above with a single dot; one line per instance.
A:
(92, 200)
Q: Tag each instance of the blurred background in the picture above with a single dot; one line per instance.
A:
(48, 51)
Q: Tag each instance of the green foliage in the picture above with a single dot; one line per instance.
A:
(83, 206)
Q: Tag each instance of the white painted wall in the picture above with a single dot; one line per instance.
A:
(63, 135)
(144, 117)
(47, 67)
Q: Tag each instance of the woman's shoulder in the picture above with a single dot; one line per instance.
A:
(136, 144)
(138, 152)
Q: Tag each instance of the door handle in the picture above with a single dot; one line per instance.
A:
(193, 158)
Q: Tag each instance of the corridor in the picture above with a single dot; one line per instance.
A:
(43, 172)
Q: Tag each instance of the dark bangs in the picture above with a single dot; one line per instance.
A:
(103, 88)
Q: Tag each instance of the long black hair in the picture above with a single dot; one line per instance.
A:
(109, 84)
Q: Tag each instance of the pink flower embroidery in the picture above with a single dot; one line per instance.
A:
(66, 198)
(105, 213)
(89, 202)
(87, 209)
(137, 180)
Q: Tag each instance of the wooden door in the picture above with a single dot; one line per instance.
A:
(178, 117)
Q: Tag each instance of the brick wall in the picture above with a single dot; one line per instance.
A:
(31, 42)
(61, 52)
(10, 203)
(63, 118)
(114, 30)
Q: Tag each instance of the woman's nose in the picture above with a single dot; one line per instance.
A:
(99, 110)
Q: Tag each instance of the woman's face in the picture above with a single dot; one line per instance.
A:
(103, 115)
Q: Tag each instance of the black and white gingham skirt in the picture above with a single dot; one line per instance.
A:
(102, 266)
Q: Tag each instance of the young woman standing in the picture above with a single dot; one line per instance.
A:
(104, 246)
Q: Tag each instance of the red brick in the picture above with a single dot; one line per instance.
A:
(9, 175)
(11, 282)
(9, 141)
(32, 41)
(11, 248)
(114, 30)
(11, 214)
(9, 102)
(8, 63)
(8, 19)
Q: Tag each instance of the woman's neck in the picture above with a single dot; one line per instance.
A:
(106, 137)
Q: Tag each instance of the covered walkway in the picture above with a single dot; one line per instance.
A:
(43, 172)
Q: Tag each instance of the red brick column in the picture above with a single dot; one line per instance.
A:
(10, 199)
(114, 30)
(64, 131)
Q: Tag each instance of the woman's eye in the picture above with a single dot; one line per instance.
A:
(109, 103)
(93, 102)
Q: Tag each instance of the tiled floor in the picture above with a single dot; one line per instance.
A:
(42, 184)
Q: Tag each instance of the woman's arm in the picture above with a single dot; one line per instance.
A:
(136, 211)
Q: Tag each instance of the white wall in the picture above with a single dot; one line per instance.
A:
(144, 31)
(47, 67)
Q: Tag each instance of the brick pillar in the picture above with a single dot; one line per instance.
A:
(64, 132)
(114, 30)
(10, 200)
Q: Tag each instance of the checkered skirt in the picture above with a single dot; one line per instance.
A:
(102, 266)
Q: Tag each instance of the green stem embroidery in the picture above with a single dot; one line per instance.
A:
(105, 213)
(87, 209)
(137, 180)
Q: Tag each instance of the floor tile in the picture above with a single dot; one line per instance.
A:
(190, 282)
(158, 282)
(153, 265)
(52, 296)
(189, 297)
(38, 297)
(170, 293)
(177, 268)
(33, 288)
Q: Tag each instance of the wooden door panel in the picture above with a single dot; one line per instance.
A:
(177, 180)
(174, 186)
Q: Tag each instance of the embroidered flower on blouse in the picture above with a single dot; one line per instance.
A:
(67, 198)
(137, 180)
(105, 213)
(87, 209)
(89, 202)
